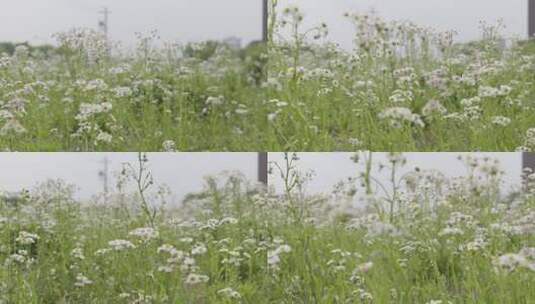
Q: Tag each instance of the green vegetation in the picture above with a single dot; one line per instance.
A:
(402, 87)
(202, 96)
(427, 239)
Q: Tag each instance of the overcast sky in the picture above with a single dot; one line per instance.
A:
(460, 15)
(177, 20)
(331, 168)
(182, 172)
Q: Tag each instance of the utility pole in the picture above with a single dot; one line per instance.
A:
(528, 161)
(263, 168)
(104, 173)
(265, 18)
(103, 25)
(263, 156)
(531, 19)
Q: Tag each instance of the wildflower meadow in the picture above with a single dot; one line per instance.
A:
(401, 87)
(91, 94)
(420, 238)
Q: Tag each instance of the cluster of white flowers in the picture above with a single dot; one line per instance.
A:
(94, 85)
(15, 258)
(525, 258)
(12, 127)
(437, 302)
(122, 92)
(145, 234)
(26, 238)
(92, 44)
(273, 256)
(229, 293)
(478, 244)
(364, 268)
(364, 296)
(78, 253)
(401, 97)
(194, 279)
(486, 91)
(215, 101)
(169, 146)
(214, 224)
(184, 261)
(199, 249)
(451, 231)
(119, 245)
(318, 73)
(529, 141)
(399, 115)
(82, 281)
(88, 125)
(5, 61)
(523, 224)
(120, 70)
(501, 121)
(21, 258)
(434, 107)
(88, 110)
(469, 102)
(373, 226)
(339, 260)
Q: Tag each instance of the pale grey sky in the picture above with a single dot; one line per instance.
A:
(331, 168)
(182, 172)
(177, 20)
(460, 15)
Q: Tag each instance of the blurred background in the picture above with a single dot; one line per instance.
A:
(331, 168)
(237, 21)
(462, 16)
(183, 173)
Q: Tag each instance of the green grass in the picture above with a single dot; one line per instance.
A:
(156, 95)
(290, 248)
(315, 97)
(336, 97)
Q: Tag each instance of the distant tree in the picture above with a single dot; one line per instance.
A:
(7, 47)
(203, 51)
(38, 50)
(255, 59)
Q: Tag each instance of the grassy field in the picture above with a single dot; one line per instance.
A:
(402, 87)
(158, 97)
(432, 240)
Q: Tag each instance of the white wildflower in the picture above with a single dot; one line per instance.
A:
(82, 281)
(119, 245)
(194, 279)
(229, 293)
(501, 121)
(434, 107)
(145, 234)
(26, 238)
(169, 146)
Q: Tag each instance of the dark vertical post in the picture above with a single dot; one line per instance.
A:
(531, 18)
(528, 161)
(263, 156)
(263, 168)
(265, 18)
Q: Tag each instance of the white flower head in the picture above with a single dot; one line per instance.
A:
(119, 245)
(145, 234)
